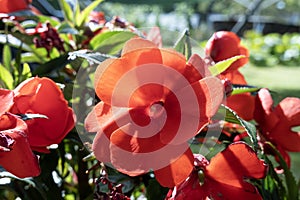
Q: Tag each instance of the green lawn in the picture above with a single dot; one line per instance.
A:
(283, 80)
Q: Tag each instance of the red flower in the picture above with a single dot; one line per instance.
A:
(15, 152)
(43, 96)
(224, 176)
(223, 45)
(276, 123)
(49, 38)
(152, 103)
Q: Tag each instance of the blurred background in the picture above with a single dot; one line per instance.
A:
(269, 28)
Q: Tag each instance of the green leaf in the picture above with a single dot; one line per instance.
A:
(183, 44)
(85, 13)
(110, 42)
(76, 12)
(292, 186)
(26, 72)
(65, 27)
(221, 66)
(67, 10)
(272, 187)
(30, 57)
(43, 19)
(7, 57)
(6, 78)
(239, 89)
(54, 64)
(232, 117)
(91, 57)
(155, 190)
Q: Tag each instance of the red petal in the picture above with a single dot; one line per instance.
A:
(189, 189)
(20, 161)
(242, 104)
(30, 97)
(263, 113)
(101, 148)
(288, 111)
(196, 69)
(137, 68)
(221, 191)
(177, 171)
(132, 138)
(198, 103)
(129, 143)
(99, 72)
(155, 36)
(235, 77)
(109, 81)
(210, 93)
(103, 119)
(8, 6)
(137, 43)
(6, 100)
(239, 161)
(223, 45)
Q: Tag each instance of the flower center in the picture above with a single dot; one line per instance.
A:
(156, 109)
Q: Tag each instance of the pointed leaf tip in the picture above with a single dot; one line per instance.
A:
(223, 65)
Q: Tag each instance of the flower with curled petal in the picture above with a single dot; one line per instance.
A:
(224, 177)
(42, 96)
(225, 44)
(153, 101)
(276, 123)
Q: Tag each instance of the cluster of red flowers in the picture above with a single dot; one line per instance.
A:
(153, 101)
(127, 105)
(274, 124)
(20, 138)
